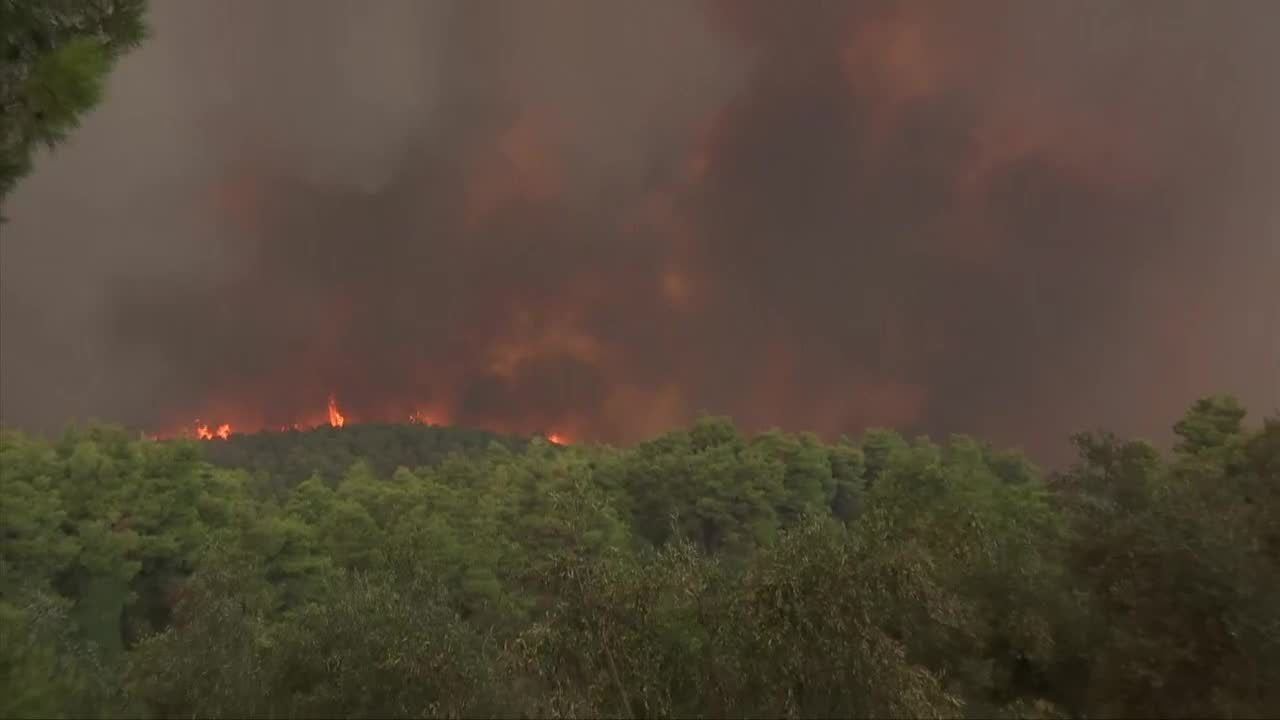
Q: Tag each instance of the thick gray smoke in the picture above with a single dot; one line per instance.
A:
(601, 218)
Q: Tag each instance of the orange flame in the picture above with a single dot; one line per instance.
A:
(335, 416)
(428, 415)
(202, 431)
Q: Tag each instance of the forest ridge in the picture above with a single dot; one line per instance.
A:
(387, 571)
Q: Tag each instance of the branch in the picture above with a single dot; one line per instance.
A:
(617, 680)
(608, 654)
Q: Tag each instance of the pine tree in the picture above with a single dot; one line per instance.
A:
(55, 56)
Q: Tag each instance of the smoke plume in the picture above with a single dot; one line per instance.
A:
(1010, 219)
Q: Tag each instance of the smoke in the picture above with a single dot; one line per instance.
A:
(602, 218)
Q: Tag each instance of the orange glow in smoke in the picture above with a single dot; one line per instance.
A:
(422, 417)
(557, 439)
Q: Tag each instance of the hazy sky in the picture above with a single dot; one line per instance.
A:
(602, 217)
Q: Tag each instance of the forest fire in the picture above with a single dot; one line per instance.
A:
(540, 256)
(222, 431)
(336, 418)
(248, 419)
(202, 431)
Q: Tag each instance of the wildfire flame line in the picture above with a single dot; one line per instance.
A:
(203, 431)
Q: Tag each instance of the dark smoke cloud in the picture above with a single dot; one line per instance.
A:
(1011, 219)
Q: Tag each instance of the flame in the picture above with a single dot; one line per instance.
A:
(336, 418)
(429, 415)
(202, 431)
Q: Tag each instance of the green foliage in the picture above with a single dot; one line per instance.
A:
(1177, 562)
(381, 648)
(55, 56)
(45, 671)
(701, 574)
(216, 658)
(288, 458)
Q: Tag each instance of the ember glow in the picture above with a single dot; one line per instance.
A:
(422, 417)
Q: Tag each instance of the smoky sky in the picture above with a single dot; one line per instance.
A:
(602, 218)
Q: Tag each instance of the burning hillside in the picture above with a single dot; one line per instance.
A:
(199, 430)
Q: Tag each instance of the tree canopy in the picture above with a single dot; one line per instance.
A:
(705, 573)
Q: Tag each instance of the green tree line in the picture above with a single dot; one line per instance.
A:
(705, 573)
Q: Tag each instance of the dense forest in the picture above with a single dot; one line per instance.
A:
(425, 572)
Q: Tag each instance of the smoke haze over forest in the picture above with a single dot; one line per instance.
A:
(1010, 219)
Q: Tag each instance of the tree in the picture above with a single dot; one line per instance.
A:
(55, 56)
(45, 669)
(1174, 559)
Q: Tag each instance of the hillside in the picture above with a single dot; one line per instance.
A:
(703, 574)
